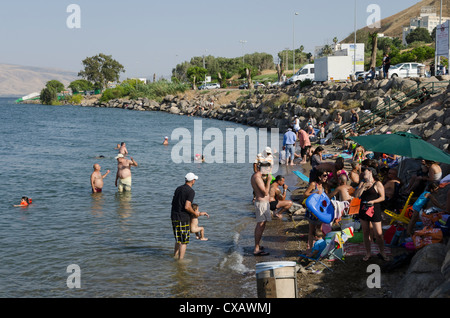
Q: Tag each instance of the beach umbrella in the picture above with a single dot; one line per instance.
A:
(403, 144)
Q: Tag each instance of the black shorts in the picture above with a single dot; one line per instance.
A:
(304, 151)
(181, 231)
(273, 205)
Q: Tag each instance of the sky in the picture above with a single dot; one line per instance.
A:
(152, 36)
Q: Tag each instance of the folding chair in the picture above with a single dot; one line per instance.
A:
(337, 241)
(400, 217)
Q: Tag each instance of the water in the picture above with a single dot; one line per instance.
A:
(123, 243)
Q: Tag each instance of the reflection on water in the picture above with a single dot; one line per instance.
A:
(97, 203)
(124, 207)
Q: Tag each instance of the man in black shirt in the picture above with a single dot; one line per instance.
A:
(180, 214)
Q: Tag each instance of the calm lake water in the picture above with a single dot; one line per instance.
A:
(122, 243)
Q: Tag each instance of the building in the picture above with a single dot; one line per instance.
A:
(428, 19)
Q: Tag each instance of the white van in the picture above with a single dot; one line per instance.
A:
(306, 72)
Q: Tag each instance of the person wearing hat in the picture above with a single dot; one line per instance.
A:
(166, 141)
(123, 174)
(180, 214)
(265, 156)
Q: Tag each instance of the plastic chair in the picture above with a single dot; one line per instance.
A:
(400, 217)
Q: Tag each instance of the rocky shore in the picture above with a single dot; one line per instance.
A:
(276, 107)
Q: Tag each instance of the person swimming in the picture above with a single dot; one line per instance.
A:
(24, 202)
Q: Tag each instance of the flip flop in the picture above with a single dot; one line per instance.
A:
(366, 258)
(261, 253)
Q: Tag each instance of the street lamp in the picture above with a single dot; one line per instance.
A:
(243, 53)
(293, 42)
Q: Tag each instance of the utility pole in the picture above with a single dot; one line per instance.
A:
(293, 42)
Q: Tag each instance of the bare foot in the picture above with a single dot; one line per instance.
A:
(203, 239)
(278, 216)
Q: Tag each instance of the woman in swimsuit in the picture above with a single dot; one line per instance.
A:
(371, 193)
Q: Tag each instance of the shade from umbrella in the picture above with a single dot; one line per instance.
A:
(403, 144)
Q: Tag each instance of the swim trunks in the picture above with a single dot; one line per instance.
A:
(98, 190)
(181, 231)
(273, 205)
(262, 211)
(124, 184)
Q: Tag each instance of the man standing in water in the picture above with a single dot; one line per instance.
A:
(97, 179)
(123, 174)
(262, 207)
(180, 214)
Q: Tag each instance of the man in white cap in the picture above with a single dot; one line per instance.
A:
(181, 214)
(166, 141)
(265, 156)
(123, 174)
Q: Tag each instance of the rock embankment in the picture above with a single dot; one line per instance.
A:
(428, 275)
(276, 107)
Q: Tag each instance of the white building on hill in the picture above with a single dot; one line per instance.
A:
(428, 19)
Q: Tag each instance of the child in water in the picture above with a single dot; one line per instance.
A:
(198, 230)
(24, 202)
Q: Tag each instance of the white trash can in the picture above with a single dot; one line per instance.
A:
(276, 279)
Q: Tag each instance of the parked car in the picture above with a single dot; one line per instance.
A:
(243, 86)
(278, 84)
(405, 70)
(361, 76)
(258, 84)
(209, 86)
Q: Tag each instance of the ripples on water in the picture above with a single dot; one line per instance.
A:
(123, 243)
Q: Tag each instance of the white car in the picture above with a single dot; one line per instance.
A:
(405, 70)
(210, 86)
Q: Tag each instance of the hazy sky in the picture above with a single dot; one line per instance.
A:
(148, 36)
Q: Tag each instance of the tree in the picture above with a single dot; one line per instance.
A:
(101, 69)
(48, 95)
(57, 85)
(419, 34)
(196, 75)
(373, 59)
(80, 85)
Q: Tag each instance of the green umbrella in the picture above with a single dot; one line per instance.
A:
(403, 144)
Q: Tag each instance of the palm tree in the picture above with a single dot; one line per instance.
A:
(335, 41)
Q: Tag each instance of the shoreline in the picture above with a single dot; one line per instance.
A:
(285, 240)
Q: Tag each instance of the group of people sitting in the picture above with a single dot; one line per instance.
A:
(376, 183)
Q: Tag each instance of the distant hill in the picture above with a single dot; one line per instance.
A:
(17, 80)
(393, 25)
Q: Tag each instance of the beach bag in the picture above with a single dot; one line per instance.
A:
(354, 206)
(427, 236)
(428, 219)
